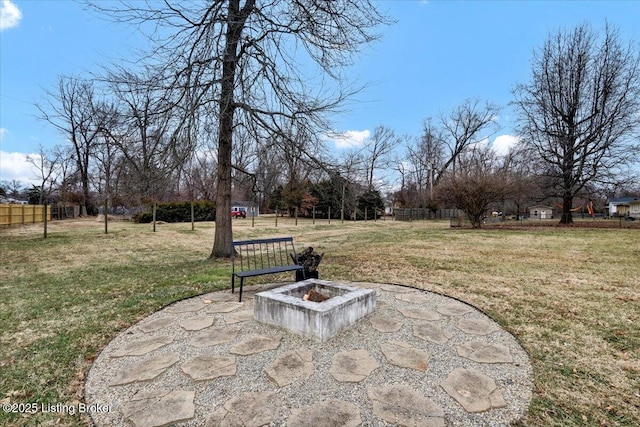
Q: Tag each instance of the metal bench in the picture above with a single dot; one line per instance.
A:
(258, 257)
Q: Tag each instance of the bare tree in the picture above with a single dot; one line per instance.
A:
(154, 137)
(479, 181)
(464, 127)
(70, 111)
(378, 148)
(47, 164)
(580, 109)
(426, 156)
(245, 57)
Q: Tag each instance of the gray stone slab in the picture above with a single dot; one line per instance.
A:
(331, 413)
(475, 391)
(430, 332)
(396, 289)
(160, 409)
(202, 368)
(418, 313)
(352, 365)
(402, 354)
(255, 344)
(385, 322)
(146, 370)
(238, 317)
(140, 347)
(247, 410)
(214, 336)
(477, 326)
(402, 405)
(454, 309)
(484, 352)
(157, 324)
(291, 366)
(413, 297)
(196, 323)
(188, 306)
(219, 297)
(225, 307)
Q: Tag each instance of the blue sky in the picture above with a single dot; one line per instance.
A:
(436, 55)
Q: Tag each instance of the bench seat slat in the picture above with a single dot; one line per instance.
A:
(281, 269)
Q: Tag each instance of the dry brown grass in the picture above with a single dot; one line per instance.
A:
(570, 295)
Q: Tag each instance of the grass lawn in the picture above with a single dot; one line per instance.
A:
(571, 296)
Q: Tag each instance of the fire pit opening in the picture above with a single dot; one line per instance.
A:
(285, 307)
(316, 292)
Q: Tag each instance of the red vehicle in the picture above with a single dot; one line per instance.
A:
(237, 212)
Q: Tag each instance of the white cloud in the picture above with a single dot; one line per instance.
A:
(14, 166)
(2, 132)
(350, 138)
(10, 15)
(503, 143)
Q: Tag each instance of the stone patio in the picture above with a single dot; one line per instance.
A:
(421, 359)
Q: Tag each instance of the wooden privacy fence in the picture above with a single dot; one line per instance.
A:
(16, 214)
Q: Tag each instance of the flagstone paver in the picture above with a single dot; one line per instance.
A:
(196, 323)
(138, 348)
(430, 332)
(203, 368)
(402, 405)
(214, 336)
(326, 414)
(255, 344)
(220, 297)
(396, 289)
(477, 326)
(402, 354)
(419, 313)
(145, 370)
(454, 309)
(409, 364)
(157, 324)
(385, 322)
(291, 366)
(412, 297)
(475, 391)
(248, 410)
(158, 409)
(238, 317)
(188, 306)
(484, 352)
(225, 307)
(353, 365)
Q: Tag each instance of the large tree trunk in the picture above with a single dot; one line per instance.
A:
(236, 18)
(223, 240)
(566, 217)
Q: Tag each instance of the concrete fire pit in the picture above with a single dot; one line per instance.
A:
(285, 308)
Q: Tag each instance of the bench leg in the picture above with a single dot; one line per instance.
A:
(240, 293)
(233, 283)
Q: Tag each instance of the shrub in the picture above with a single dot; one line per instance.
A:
(203, 210)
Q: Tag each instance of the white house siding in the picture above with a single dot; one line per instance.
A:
(541, 212)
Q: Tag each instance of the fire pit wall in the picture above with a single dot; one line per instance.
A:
(285, 308)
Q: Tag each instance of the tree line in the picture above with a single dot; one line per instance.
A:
(221, 109)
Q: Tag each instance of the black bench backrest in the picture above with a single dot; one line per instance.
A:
(261, 254)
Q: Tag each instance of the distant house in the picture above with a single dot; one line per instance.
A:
(620, 206)
(541, 212)
(251, 208)
(13, 201)
(634, 208)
